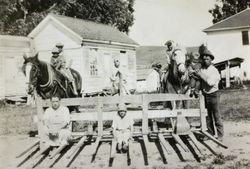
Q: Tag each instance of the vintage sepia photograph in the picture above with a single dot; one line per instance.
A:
(133, 84)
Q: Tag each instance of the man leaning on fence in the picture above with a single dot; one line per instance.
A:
(56, 121)
(210, 79)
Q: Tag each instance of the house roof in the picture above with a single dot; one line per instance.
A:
(92, 31)
(237, 21)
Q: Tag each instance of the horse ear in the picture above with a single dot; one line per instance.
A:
(36, 56)
(25, 56)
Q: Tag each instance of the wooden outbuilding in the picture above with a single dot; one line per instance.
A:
(12, 79)
(89, 46)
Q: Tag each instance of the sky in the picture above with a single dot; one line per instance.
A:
(157, 21)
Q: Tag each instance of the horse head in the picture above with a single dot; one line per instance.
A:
(31, 71)
(177, 65)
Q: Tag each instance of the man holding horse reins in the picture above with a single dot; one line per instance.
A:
(58, 61)
(210, 78)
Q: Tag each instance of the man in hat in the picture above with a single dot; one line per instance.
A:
(58, 61)
(153, 78)
(118, 76)
(210, 78)
(122, 128)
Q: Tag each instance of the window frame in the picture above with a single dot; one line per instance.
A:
(245, 38)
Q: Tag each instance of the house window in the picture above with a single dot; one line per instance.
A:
(93, 62)
(245, 38)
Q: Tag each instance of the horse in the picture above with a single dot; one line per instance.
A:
(174, 80)
(47, 81)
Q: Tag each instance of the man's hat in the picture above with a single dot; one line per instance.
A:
(55, 50)
(206, 52)
(59, 44)
(122, 107)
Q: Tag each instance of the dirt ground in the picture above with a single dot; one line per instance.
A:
(237, 137)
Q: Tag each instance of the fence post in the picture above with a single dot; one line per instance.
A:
(203, 113)
(145, 114)
(100, 116)
(40, 112)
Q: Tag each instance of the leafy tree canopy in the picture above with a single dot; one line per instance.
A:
(226, 8)
(19, 17)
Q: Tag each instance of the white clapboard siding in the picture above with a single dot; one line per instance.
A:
(12, 79)
(50, 35)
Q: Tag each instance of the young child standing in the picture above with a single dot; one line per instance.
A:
(122, 128)
(195, 83)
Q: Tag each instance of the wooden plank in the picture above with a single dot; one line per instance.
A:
(98, 139)
(42, 151)
(145, 114)
(100, 117)
(203, 113)
(58, 150)
(180, 142)
(74, 101)
(168, 97)
(145, 140)
(154, 126)
(28, 149)
(40, 113)
(78, 145)
(196, 142)
(164, 144)
(113, 148)
(136, 99)
(137, 114)
(214, 139)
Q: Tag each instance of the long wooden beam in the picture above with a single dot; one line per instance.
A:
(28, 149)
(93, 116)
(58, 150)
(78, 145)
(113, 148)
(98, 139)
(196, 142)
(164, 143)
(214, 139)
(136, 99)
(180, 142)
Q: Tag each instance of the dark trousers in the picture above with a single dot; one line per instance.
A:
(214, 117)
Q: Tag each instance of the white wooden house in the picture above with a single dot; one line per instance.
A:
(229, 40)
(91, 47)
(12, 79)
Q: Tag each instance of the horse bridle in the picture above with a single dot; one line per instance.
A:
(36, 74)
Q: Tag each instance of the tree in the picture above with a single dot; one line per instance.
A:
(19, 17)
(226, 8)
